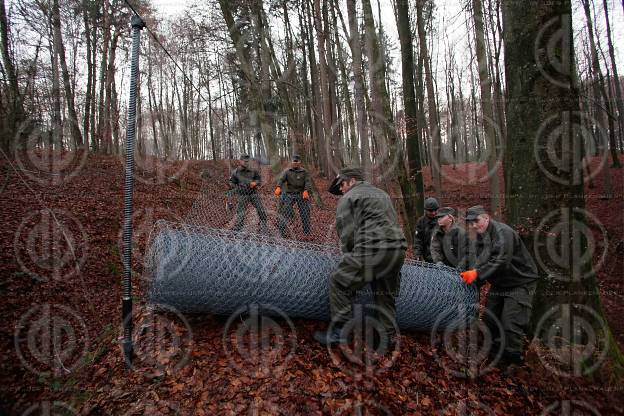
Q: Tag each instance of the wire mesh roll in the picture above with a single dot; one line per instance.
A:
(204, 270)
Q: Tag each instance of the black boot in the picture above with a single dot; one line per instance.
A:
(331, 336)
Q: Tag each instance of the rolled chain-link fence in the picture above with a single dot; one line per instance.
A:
(214, 263)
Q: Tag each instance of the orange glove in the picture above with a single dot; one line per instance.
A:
(253, 184)
(306, 195)
(278, 191)
(469, 276)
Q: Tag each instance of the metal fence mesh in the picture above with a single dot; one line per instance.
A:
(201, 269)
(203, 265)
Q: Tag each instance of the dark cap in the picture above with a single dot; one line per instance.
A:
(473, 213)
(431, 203)
(345, 174)
(444, 211)
(296, 158)
(245, 157)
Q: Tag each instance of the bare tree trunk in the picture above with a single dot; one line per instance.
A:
(314, 87)
(69, 94)
(151, 99)
(102, 121)
(14, 99)
(57, 122)
(93, 75)
(616, 78)
(434, 121)
(423, 131)
(110, 78)
(415, 199)
(599, 85)
(486, 108)
(88, 96)
(356, 52)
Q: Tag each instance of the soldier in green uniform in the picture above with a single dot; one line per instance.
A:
(245, 182)
(424, 229)
(450, 244)
(373, 247)
(504, 261)
(297, 187)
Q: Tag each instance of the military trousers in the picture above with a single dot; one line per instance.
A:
(507, 315)
(286, 211)
(382, 270)
(243, 201)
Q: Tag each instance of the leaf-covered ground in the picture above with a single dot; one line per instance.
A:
(61, 308)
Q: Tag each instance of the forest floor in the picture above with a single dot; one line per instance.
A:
(63, 293)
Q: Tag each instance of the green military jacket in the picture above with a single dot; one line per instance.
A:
(502, 258)
(422, 237)
(296, 180)
(367, 222)
(242, 177)
(451, 247)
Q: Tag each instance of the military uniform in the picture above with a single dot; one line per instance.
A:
(241, 180)
(451, 248)
(504, 261)
(422, 237)
(373, 247)
(295, 181)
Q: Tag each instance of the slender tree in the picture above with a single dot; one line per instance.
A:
(414, 203)
(487, 116)
(434, 119)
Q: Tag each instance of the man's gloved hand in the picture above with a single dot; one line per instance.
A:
(469, 276)
(306, 195)
(278, 191)
(253, 184)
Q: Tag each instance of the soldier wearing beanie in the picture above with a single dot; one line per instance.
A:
(297, 187)
(424, 231)
(245, 182)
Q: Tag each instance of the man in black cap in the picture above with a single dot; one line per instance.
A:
(424, 230)
(244, 182)
(504, 261)
(449, 243)
(373, 248)
(297, 189)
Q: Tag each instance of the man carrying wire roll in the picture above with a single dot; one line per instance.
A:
(245, 182)
(373, 248)
(297, 187)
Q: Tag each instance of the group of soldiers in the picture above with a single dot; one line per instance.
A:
(373, 246)
(490, 251)
(294, 187)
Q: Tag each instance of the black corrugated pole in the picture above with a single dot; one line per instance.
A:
(137, 25)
